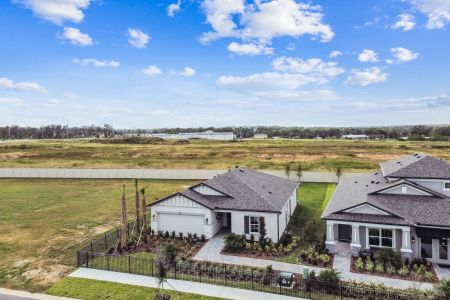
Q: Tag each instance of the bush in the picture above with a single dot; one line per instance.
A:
(379, 268)
(387, 256)
(170, 252)
(330, 276)
(173, 234)
(404, 271)
(443, 289)
(359, 264)
(286, 238)
(268, 273)
(234, 242)
(369, 264)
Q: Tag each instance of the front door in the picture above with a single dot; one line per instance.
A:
(345, 233)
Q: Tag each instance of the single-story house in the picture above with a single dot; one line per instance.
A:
(235, 200)
(405, 206)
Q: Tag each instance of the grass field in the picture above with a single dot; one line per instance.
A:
(42, 222)
(87, 289)
(258, 154)
(312, 199)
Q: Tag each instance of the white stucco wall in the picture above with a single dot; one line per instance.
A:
(409, 191)
(237, 223)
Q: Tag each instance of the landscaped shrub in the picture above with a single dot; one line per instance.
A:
(379, 268)
(268, 273)
(315, 257)
(389, 256)
(404, 271)
(359, 264)
(443, 289)
(170, 252)
(330, 276)
(369, 265)
(234, 242)
(286, 239)
(262, 231)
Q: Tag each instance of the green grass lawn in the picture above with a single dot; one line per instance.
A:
(312, 200)
(257, 154)
(42, 221)
(87, 289)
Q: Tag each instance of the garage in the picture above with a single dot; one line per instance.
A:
(185, 223)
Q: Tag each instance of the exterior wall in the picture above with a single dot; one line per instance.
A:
(409, 191)
(206, 190)
(237, 223)
(367, 209)
(398, 239)
(287, 212)
(435, 185)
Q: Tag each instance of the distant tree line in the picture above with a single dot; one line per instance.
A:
(417, 132)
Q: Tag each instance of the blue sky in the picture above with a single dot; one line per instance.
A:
(148, 64)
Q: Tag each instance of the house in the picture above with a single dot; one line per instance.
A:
(206, 135)
(235, 200)
(260, 136)
(405, 206)
(355, 137)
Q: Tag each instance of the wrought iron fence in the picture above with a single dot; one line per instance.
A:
(239, 277)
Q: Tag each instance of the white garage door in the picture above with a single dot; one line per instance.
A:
(181, 223)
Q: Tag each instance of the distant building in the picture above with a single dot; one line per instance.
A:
(260, 136)
(207, 135)
(355, 137)
(318, 138)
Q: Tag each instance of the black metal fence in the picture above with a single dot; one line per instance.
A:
(239, 277)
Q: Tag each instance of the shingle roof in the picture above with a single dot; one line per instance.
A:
(246, 189)
(418, 165)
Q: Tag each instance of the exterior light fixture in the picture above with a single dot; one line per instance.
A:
(413, 240)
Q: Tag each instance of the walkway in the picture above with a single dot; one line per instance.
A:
(211, 252)
(442, 273)
(178, 285)
(7, 294)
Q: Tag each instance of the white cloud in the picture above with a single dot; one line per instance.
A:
(138, 38)
(249, 49)
(76, 37)
(12, 101)
(335, 53)
(366, 76)
(151, 70)
(263, 20)
(173, 8)
(437, 12)
(312, 67)
(403, 54)
(96, 62)
(368, 56)
(23, 86)
(368, 23)
(405, 22)
(187, 72)
(57, 11)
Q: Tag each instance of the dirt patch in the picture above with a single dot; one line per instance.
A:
(102, 228)
(47, 276)
(377, 157)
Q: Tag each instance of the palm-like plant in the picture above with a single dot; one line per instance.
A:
(123, 241)
(339, 172)
(144, 215)
(443, 289)
(137, 203)
(287, 169)
(299, 171)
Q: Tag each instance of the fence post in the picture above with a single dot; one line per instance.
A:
(87, 259)
(129, 263)
(199, 272)
(106, 244)
(252, 281)
(175, 267)
(153, 262)
(107, 260)
(310, 288)
(225, 267)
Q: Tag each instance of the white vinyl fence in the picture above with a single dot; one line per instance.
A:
(147, 174)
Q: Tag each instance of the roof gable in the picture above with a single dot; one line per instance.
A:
(367, 209)
(418, 165)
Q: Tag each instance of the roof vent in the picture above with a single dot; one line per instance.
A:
(377, 182)
(240, 170)
(356, 181)
(376, 173)
(270, 192)
(372, 182)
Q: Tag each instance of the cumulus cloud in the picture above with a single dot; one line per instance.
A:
(405, 22)
(312, 67)
(335, 53)
(76, 37)
(97, 63)
(57, 11)
(367, 55)
(23, 86)
(262, 21)
(187, 72)
(138, 38)
(151, 70)
(437, 12)
(249, 49)
(173, 8)
(366, 76)
(403, 54)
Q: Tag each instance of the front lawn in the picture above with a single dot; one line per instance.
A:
(305, 222)
(87, 289)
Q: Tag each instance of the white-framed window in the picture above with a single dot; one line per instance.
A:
(254, 224)
(447, 185)
(379, 237)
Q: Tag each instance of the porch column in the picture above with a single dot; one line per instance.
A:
(330, 243)
(406, 250)
(356, 244)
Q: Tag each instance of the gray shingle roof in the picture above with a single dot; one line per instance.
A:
(246, 189)
(418, 165)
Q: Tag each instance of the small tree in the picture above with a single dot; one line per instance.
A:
(338, 173)
(299, 171)
(443, 289)
(124, 220)
(262, 231)
(268, 274)
(287, 170)
(144, 215)
(234, 242)
(137, 203)
(170, 252)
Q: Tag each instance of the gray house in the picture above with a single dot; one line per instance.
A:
(235, 200)
(405, 206)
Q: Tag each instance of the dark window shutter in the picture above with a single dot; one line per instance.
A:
(246, 223)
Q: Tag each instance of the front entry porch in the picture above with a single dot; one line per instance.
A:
(365, 236)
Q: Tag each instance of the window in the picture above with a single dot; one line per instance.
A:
(447, 185)
(443, 249)
(254, 224)
(380, 237)
(426, 247)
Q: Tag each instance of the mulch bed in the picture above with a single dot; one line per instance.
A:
(328, 265)
(410, 277)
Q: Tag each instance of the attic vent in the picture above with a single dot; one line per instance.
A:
(356, 181)
(270, 192)
(241, 171)
(376, 173)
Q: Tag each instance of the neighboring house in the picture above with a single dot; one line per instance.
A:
(235, 200)
(405, 206)
(207, 135)
(355, 137)
(260, 136)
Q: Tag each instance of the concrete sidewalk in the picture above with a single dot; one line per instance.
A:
(179, 285)
(7, 294)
